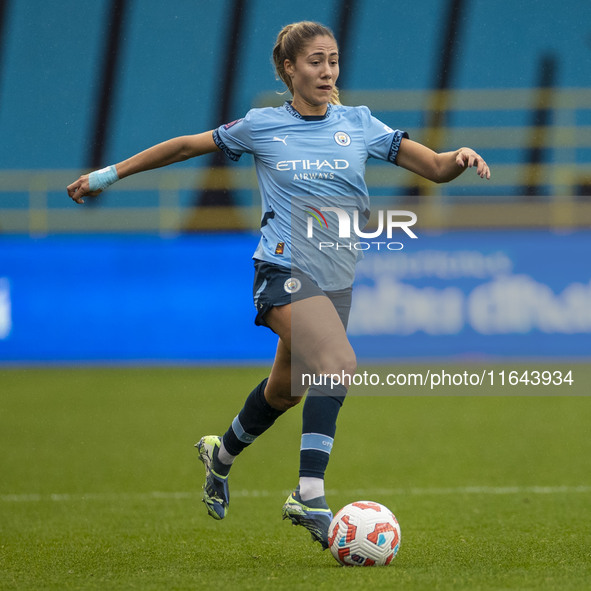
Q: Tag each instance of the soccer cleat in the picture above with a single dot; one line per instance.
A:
(216, 494)
(314, 515)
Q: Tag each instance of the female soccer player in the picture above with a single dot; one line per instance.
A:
(312, 146)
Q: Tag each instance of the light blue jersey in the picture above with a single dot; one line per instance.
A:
(312, 161)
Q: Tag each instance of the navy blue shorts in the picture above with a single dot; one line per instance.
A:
(275, 285)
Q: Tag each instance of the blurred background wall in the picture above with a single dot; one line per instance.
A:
(157, 269)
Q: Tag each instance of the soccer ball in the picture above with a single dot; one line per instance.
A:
(364, 533)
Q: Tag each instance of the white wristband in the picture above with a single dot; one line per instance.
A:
(101, 179)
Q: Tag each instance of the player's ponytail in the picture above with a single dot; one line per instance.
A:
(291, 42)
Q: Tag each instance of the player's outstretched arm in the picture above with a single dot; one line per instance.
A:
(174, 150)
(440, 168)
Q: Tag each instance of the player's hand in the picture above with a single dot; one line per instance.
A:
(80, 188)
(468, 157)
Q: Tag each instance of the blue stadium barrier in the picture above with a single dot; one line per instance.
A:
(120, 299)
(143, 299)
(508, 294)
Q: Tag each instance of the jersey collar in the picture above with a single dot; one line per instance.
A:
(289, 108)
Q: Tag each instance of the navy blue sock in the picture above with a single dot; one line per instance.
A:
(256, 416)
(319, 422)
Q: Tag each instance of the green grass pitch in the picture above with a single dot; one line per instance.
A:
(100, 485)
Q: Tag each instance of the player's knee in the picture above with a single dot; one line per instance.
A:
(340, 362)
(347, 363)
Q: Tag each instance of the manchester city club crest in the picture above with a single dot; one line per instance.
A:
(292, 285)
(342, 138)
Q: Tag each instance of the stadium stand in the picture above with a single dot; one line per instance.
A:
(516, 87)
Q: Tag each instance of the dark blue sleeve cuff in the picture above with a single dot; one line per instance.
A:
(220, 144)
(393, 154)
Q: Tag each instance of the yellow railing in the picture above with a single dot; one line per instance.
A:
(35, 201)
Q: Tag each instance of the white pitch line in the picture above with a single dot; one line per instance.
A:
(475, 490)
(245, 493)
